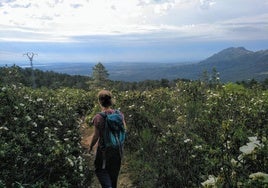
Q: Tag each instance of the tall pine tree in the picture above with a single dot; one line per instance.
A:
(100, 74)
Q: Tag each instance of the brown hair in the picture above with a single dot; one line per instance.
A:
(105, 98)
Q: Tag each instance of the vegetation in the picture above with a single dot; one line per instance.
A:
(40, 136)
(191, 134)
(100, 74)
(16, 75)
(181, 133)
(52, 80)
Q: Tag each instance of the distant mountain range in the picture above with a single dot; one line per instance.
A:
(236, 64)
(233, 64)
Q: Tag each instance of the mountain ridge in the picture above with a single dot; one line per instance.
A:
(233, 64)
(229, 53)
(236, 64)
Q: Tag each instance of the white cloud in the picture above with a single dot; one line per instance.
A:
(63, 20)
(205, 4)
(163, 8)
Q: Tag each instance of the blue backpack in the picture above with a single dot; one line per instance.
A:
(114, 131)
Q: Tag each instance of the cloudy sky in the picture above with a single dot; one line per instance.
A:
(129, 30)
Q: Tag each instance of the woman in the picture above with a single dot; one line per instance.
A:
(107, 162)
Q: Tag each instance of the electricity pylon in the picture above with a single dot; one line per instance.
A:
(31, 55)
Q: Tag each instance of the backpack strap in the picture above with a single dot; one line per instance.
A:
(117, 111)
(103, 114)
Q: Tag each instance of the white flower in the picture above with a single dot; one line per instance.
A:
(198, 147)
(259, 176)
(40, 116)
(234, 162)
(34, 124)
(251, 146)
(252, 139)
(4, 128)
(187, 140)
(240, 158)
(247, 149)
(70, 161)
(28, 118)
(39, 99)
(211, 182)
(60, 123)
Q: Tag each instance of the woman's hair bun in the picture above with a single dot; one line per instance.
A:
(105, 98)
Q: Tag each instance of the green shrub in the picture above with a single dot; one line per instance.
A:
(40, 138)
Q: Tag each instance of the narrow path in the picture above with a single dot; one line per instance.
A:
(123, 181)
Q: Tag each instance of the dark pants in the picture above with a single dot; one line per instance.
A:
(107, 170)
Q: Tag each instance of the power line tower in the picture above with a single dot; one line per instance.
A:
(31, 55)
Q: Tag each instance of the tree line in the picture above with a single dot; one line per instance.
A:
(99, 79)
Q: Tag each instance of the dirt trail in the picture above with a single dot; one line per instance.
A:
(123, 181)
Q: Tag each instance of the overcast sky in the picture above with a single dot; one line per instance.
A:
(129, 30)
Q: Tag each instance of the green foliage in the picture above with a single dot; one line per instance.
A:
(40, 138)
(180, 134)
(16, 75)
(100, 75)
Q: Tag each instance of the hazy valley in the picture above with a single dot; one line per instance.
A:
(233, 64)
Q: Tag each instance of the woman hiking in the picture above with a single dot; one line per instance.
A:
(108, 159)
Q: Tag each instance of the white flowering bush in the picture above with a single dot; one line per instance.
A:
(194, 135)
(40, 138)
(191, 135)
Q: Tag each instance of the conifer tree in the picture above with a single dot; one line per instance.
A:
(100, 74)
